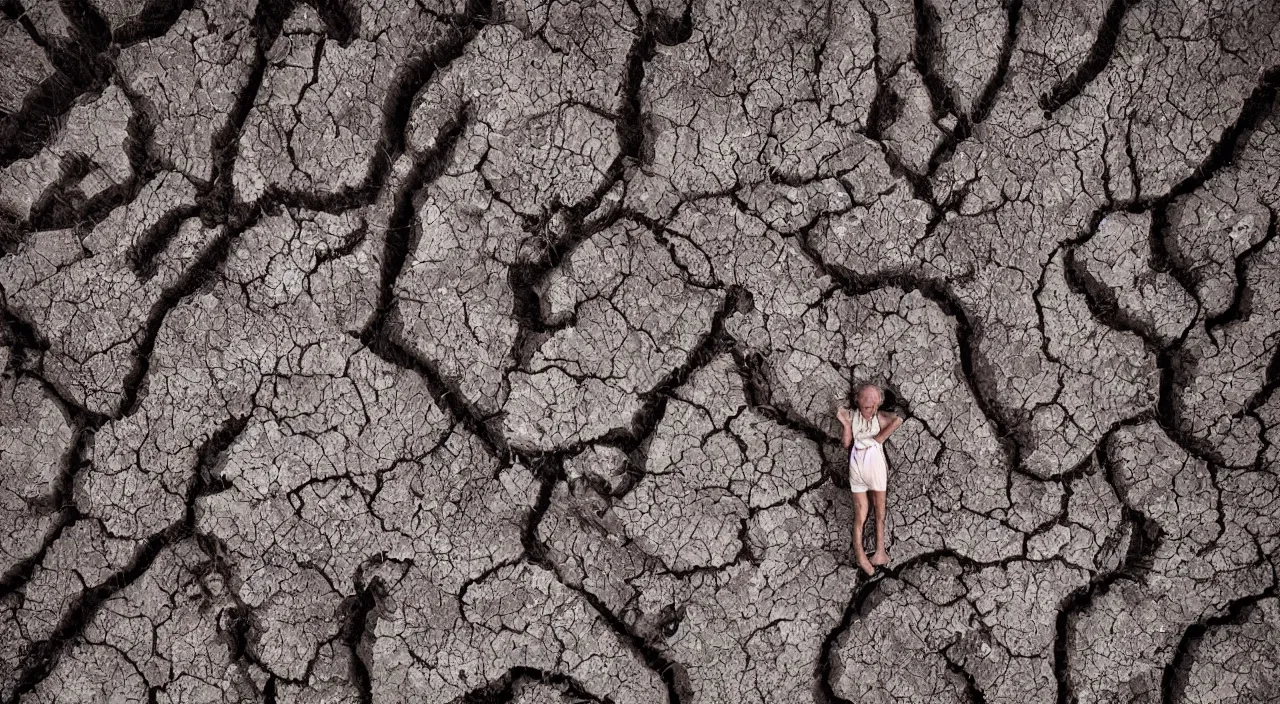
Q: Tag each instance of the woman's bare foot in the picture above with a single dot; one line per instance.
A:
(865, 565)
(880, 559)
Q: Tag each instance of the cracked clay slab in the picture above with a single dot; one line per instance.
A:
(480, 351)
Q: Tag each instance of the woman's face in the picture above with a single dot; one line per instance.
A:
(868, 402)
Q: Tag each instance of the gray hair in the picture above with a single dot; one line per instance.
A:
(863, 387)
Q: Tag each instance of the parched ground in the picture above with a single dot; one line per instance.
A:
(487, 351)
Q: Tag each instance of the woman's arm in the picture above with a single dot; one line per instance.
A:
(888, 423)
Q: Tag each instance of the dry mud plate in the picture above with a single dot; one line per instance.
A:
(431, 351)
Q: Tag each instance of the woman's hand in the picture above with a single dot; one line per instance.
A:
(844, 415)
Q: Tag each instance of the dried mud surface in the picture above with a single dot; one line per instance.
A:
(487, 351)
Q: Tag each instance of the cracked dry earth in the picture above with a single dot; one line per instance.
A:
(377, 350)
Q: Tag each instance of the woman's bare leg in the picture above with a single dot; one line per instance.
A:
(877, 500)
(859, 518)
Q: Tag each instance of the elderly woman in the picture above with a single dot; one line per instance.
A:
(864, 434)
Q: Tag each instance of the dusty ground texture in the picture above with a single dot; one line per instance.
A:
(487, 350)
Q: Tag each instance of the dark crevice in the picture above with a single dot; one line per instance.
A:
(1104, 45)
(24, 133)
(654, 402)
(208, 480)
(143, 256)
(668, 30)
(1135, 174)
(59, 502)
(341, 19)
(1241, 298)
(21, 337)
(885, 105)
(975, 372)
(201, 271)
(970, 684)
(1223, 152)
(73, 460)
(928, 42)
(217, 203)
(89, 29)
(826, 655)
(234, 626)
(63, 204)
(349, 245)
(526, 279)
(43, 655)
(485, 574)
(60, 205)
(358, 625)
(1147, 535)
(882, 112)
(1103, 303)
(920, 183)
(82, 67)
(504, 689)
(155, 18)
(442, 392)
(1145, 538)
(14, 10)
(982, 106)
(1219, 514)
(17, 576)
(657, 29)
(1174, 680)
(629, 440)
(237, 624)
(753, 368)
(398, 107)
(987, 98)
(1176, 367)
(1270, 382)
(1164, 258)
(11, 232)
(978, 374)
(402, 226)
(671, 672)
(549, 471)
(333, 202)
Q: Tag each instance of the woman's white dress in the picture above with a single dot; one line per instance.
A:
(867, 468)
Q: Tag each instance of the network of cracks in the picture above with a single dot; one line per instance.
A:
(375, 350)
